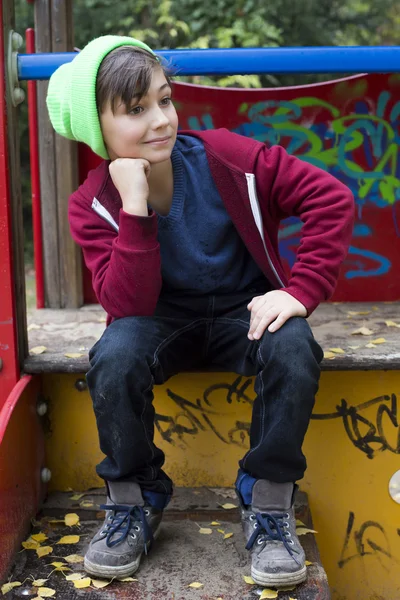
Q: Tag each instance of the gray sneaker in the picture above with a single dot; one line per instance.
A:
(277, 557)
(128, 530)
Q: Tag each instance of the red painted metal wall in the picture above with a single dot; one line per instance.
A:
(9, 367)
(349, 127)
(21, 461)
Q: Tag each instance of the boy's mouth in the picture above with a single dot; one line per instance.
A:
(159, 140)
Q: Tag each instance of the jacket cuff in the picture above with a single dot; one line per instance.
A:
(309, 300)
(136, 231)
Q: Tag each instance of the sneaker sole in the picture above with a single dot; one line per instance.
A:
(120, 571)
(278, 579)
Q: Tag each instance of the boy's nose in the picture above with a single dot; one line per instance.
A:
(160, 119)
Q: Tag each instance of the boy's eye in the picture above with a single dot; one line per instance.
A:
(135, 110)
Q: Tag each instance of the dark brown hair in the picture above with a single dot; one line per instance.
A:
(125, 73)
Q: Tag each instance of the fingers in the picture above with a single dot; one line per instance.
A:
(261, 316)
(279, 321)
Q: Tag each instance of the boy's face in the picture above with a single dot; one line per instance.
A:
(145, 129)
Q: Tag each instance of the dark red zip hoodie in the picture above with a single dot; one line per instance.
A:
(259, 186)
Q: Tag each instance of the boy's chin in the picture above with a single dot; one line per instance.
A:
(159, 156)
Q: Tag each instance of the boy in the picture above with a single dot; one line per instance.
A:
(180, 234)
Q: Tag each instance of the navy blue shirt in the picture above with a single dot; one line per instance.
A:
(201, 251)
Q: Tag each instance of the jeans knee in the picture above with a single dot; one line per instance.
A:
(120, 351)
(292, 343)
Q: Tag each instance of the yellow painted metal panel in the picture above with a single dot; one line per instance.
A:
(203, 420)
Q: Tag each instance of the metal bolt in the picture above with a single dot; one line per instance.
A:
(16, 40)
(18, 95)
(41, 408)
(45, 475)
(81, 385)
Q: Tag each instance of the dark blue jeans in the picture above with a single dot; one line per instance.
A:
(188, 333)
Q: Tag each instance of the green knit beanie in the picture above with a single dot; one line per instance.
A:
(71, 95)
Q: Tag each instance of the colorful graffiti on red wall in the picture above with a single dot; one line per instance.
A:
(349, 127)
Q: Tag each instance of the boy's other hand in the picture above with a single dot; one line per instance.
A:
(272, 310)
(130, 177)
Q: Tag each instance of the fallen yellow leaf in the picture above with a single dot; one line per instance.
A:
(7, 587)
(69, 539)
(82, 583)
(308, 563)
(45, 592)
(127, 579)
(287, 588)
(228, 506)
(44, 551)
(290, 598)
(228, 535)
(39, 537)
(74, 576)
(300, 523)
(73, 355)
(60, 567)
(249, 580)
(39, 582)
(74, 558)
(329, 355)
(337, 350)
(215, 523)
(379, 341)
(304, 530)
(86, 504)
(268, 594)
(353, 313)
(220, 530)
(97, 583)
(205, 530)
(38, 350)
(71, 519)
(392, 324)
(30, 545)
(370, 345)
(33, 326)
(354, 347)
(52, 521)
(76, 496)
(196, 585)
(362, 331)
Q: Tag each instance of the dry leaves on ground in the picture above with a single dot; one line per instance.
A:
(362, 331)
(44, 551)
(267, 593)
(304, 530)
(7, 587)
(69, 539)
(71, 519)
(74, 558)
(38, 350)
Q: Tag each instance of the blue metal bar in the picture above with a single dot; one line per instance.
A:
(242, 61)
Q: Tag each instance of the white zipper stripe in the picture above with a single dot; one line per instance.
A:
(255, 208)
(103, 212)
